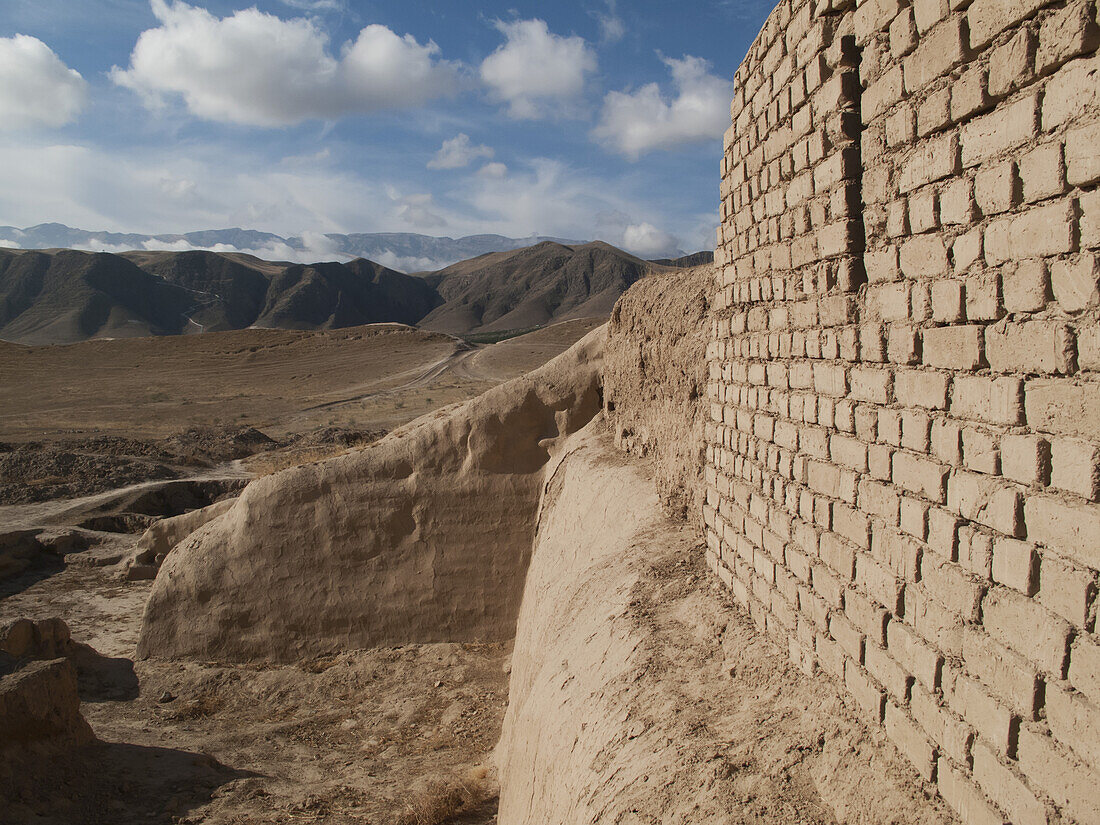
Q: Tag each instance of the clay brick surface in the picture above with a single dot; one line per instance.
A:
(903, 459)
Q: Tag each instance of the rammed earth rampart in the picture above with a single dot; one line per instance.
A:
(903, 452)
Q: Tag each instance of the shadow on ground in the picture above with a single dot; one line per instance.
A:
(106, 783)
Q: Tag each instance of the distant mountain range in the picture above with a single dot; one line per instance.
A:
(406, 252)
(63, 295)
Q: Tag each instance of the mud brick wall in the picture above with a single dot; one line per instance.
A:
(903, 451)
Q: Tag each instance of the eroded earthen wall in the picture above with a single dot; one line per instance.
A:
(903, 456)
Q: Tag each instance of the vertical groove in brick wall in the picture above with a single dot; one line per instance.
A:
(903, 452)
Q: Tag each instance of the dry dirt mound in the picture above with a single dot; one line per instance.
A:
(655, 378)
(640, 693)
(423, 536)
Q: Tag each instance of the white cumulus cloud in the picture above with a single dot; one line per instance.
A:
(459, 152)
(535, 68)
(258, 69)
(36, 87)
(636, 122)
(6, 244)
(647, 241)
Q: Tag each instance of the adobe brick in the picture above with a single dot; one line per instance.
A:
(1004, 128)
(967, 801)
(1070, 785)
(947, 301)
(997, 188)
(992, 720)
(1076, 282)
(975, 551)
(881, 264)
(897, 218)
(851, 525)
(1012, 64)
(969, 94)
(1041, 231)
(1064, 409)
(1075, 722)
(830, 380)
(1038, 347)
(869, 697)
(1071, 92)
(879, 583)
(920, 475)
(1075, 467)
(953, 348)
(1082, 159)
(1067, 33)
(915, 426)
(870, 384)
(993, 400)
(942, 528)
(946, 441)
(1008, 675)
(957, 203)
(983, 298)
(1024, 285)
(1006, 789)
(979, 450)
(886, 672)
(830, 655)
(934, 159)
(988, 18)
(951, 733)
(914, 655)
(1090, 219)
(898, 553)
(903, 345)
(986, 500)
(913, 517)
(932, 620)
(934, 113)
(1066, 589)
(882, 94)
(903, 34)
(1015, 565)
(923, 257)
(910, 741)
(1022, 624)
(1043, 173)
(1068, 528)
(1084, 667)
(948, 584)
(939, 51)
(890, 302)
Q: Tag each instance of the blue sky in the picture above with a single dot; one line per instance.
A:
(585, 120)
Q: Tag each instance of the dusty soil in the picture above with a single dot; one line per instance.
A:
(389, 735)
(363, 737)
(85, 418)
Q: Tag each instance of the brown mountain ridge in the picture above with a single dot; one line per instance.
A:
(64, 296)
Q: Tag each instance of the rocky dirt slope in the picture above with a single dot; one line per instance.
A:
(655, 376)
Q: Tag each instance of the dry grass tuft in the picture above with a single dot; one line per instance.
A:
(443, 800)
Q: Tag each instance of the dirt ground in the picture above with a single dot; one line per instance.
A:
(393, 735)
(365, 737)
